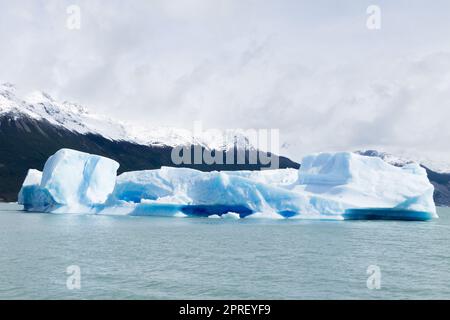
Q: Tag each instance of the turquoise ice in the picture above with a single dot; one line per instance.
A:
(328, 186)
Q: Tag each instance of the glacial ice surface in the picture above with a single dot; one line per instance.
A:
(72, 181)
(327, 186)
(32, 196)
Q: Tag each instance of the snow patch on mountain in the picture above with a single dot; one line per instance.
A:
(76, 118)
(436, 162)
(386, 157)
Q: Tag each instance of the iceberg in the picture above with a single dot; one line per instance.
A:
(72, 181)
(327, 186)
(370, 187)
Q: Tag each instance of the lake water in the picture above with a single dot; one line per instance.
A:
(200, 258)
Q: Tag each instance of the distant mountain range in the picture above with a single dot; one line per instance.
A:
(35, 127)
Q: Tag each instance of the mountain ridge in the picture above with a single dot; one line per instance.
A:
(74, 117)
(34, 128)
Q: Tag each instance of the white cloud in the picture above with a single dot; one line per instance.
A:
(310, 68)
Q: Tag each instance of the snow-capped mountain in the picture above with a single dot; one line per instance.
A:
(400, 158)
(35, 126)
(387, 157)
(76, 118)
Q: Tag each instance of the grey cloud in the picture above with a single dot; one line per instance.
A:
(309, 68)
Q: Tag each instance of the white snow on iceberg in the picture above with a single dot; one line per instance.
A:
(327, 186)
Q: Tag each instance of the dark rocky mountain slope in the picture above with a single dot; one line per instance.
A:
(27, 143)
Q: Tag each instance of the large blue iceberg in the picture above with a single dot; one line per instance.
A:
(327, 186)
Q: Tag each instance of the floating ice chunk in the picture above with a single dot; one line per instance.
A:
(231, 216)
(74, 177)
(206, 193)
(72, 181)
(366, 182)
(327, 186)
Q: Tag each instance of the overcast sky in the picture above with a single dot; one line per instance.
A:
(310, 68)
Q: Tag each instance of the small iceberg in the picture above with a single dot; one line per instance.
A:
(332, 186)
